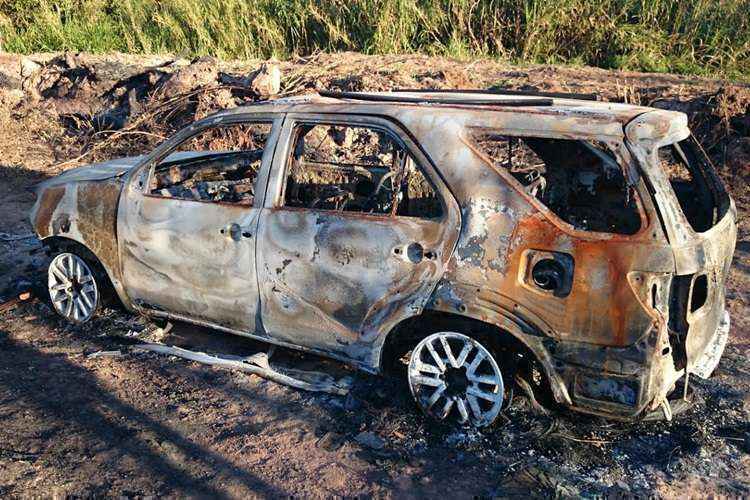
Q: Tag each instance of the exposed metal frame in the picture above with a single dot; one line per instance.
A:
(495, 91)
(431, 100)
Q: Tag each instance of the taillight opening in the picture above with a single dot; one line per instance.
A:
(699, 293)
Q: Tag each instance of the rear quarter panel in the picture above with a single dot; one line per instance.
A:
(499, 224)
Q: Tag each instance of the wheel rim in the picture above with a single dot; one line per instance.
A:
(72, 287)
(453, 376)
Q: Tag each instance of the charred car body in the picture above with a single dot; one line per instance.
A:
(480, 234)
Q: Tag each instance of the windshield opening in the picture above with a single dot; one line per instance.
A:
(695, 184)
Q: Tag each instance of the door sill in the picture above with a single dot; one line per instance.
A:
(262, 338)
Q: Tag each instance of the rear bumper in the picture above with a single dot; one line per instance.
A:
(615, 382)
(630, 383)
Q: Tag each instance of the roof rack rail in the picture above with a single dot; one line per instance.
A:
(498, 91)
(433, 100)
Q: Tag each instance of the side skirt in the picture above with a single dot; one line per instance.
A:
(178, 317)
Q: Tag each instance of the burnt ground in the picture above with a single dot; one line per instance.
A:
(138, 423)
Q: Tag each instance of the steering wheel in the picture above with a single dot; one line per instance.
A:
(330, 192)
(372, 199)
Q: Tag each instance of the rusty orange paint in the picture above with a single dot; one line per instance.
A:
(47, 204)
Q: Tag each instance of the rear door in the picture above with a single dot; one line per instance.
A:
(355, 233)
(187, 224)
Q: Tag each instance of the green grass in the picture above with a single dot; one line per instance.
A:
(708, 37)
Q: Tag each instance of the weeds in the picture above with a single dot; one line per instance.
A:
(709, 37)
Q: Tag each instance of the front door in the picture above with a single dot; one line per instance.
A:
(354, 235)
(187, 227)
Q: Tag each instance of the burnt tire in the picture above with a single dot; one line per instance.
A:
(75, 287)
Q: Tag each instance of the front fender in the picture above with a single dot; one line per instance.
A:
(84, 212)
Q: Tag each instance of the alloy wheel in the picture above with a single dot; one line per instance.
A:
(72, 288)
(454, 376)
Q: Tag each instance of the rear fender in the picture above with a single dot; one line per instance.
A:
(496, 309)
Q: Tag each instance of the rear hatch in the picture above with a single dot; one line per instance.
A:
(700, 219)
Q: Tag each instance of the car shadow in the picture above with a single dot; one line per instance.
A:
(67, 396)
(20, 252)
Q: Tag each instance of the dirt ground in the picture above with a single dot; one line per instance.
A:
(131, 423)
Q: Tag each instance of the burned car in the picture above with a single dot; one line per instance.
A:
(471, 240)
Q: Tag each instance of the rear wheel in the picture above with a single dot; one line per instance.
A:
(73, 288)
(454, 377)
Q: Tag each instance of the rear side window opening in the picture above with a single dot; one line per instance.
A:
(356, 168)
(701, 195)
(580, 181)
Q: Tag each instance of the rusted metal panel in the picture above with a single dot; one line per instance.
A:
(45, 209)
(617, 278)
(696, 254)
(341, 280)
(96, 220)
(711, 258)
(175, 258)
(336, 281)
(84, 211)
(188, 257)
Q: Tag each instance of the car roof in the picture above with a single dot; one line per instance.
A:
(512, 110)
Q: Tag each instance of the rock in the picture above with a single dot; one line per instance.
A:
(267, 81)
(10, 80)
(30, 74)
(370, 440)
(70, 60)
(29, 68)
(10, 98)
(216, 100)
(223, 99)
(198, 74)
(264, 82)
(331, 441)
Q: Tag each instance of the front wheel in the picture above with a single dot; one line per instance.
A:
(452, 376)
(73, 289)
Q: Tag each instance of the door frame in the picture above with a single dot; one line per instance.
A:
(450, 217)
(275, 190)
(137, 183)
(140, 176)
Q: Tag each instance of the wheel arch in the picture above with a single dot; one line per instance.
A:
(83, 212)
(56, 244)
(499, 330)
